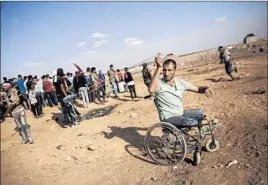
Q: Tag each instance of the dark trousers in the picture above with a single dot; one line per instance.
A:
(92, 94)
(132, 91)
(229, 69)
(34, 110)
(147, 84)
(104, 88)
(44, 99)
(101, 89)
(2, 111)
(39, 102)
(51, 98)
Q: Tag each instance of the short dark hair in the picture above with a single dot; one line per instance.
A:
(60, 72)
(5, 78)
(25, 77)
(93, 69)
(170, 61)
(30, 77)
(19, 76)
(111, 65)
(88, 69)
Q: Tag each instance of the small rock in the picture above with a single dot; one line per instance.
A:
(258, 153)
(74, 157)
(90, 149)
(153, 179)
(120, 111)
(168, 174)
(247, 75)
(134, 115)
(59, 147)
(247, 165)
(214, 166)
(231, 163)
(68, 158)
(174, 168)
(80, 134)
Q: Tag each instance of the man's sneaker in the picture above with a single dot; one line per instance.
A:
(30, 141)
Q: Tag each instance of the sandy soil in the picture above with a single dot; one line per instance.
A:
(85, 156)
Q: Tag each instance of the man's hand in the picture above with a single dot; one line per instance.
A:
(158, 61)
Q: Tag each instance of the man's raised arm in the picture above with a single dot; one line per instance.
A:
(154, 83)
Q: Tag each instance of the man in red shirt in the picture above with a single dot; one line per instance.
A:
(50, 92)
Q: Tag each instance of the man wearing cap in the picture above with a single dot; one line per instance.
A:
(226, 58)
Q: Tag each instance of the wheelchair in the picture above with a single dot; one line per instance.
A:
(168, 144)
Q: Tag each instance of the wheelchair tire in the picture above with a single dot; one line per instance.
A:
(196, 158)
(173, 158)
(209, 145)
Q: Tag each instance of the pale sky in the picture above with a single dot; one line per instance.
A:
(37, 37)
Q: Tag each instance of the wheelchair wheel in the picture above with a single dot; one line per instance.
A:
(196, 158)
(212, 146)
(165, 144)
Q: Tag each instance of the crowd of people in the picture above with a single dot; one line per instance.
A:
(34, 93)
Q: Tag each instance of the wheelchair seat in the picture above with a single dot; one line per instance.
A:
(190, 118)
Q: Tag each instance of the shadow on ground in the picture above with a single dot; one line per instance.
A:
(136, 142)
(131, 136)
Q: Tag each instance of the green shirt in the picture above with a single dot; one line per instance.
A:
(169, 99)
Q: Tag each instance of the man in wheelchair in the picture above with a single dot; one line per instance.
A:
(169, 95)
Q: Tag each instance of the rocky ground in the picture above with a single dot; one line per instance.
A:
(87, 155)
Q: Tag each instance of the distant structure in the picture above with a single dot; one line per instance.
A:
(250, 38)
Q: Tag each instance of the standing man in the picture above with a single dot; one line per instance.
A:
(130, 83)
(37, 88)
(50, 93)
(147, 77)
(102, 80)
(23, 92)
(226, 58)
(112, 80)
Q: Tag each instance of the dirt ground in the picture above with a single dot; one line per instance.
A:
(84, 155)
